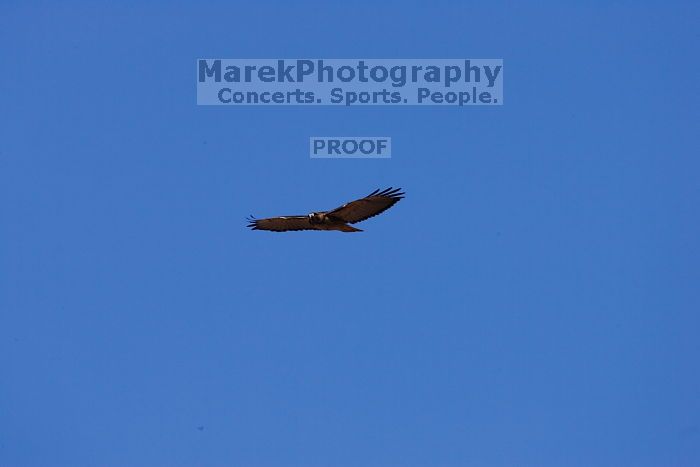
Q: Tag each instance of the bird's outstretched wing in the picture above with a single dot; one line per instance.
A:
(375, 203)
(281, 224)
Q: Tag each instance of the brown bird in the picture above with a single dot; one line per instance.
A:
(338, 219)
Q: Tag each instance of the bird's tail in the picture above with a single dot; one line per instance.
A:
(348, 228)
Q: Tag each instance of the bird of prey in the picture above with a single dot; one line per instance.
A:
(338, 219)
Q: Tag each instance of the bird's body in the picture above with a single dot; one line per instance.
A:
(337, 219)
(326, 221)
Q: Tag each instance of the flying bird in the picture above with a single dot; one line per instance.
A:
(338, 219)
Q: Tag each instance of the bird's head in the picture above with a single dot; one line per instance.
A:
(315, 218)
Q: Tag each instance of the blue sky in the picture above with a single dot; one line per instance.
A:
(533, 301)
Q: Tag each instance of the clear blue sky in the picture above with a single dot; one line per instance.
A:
(533, 301)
